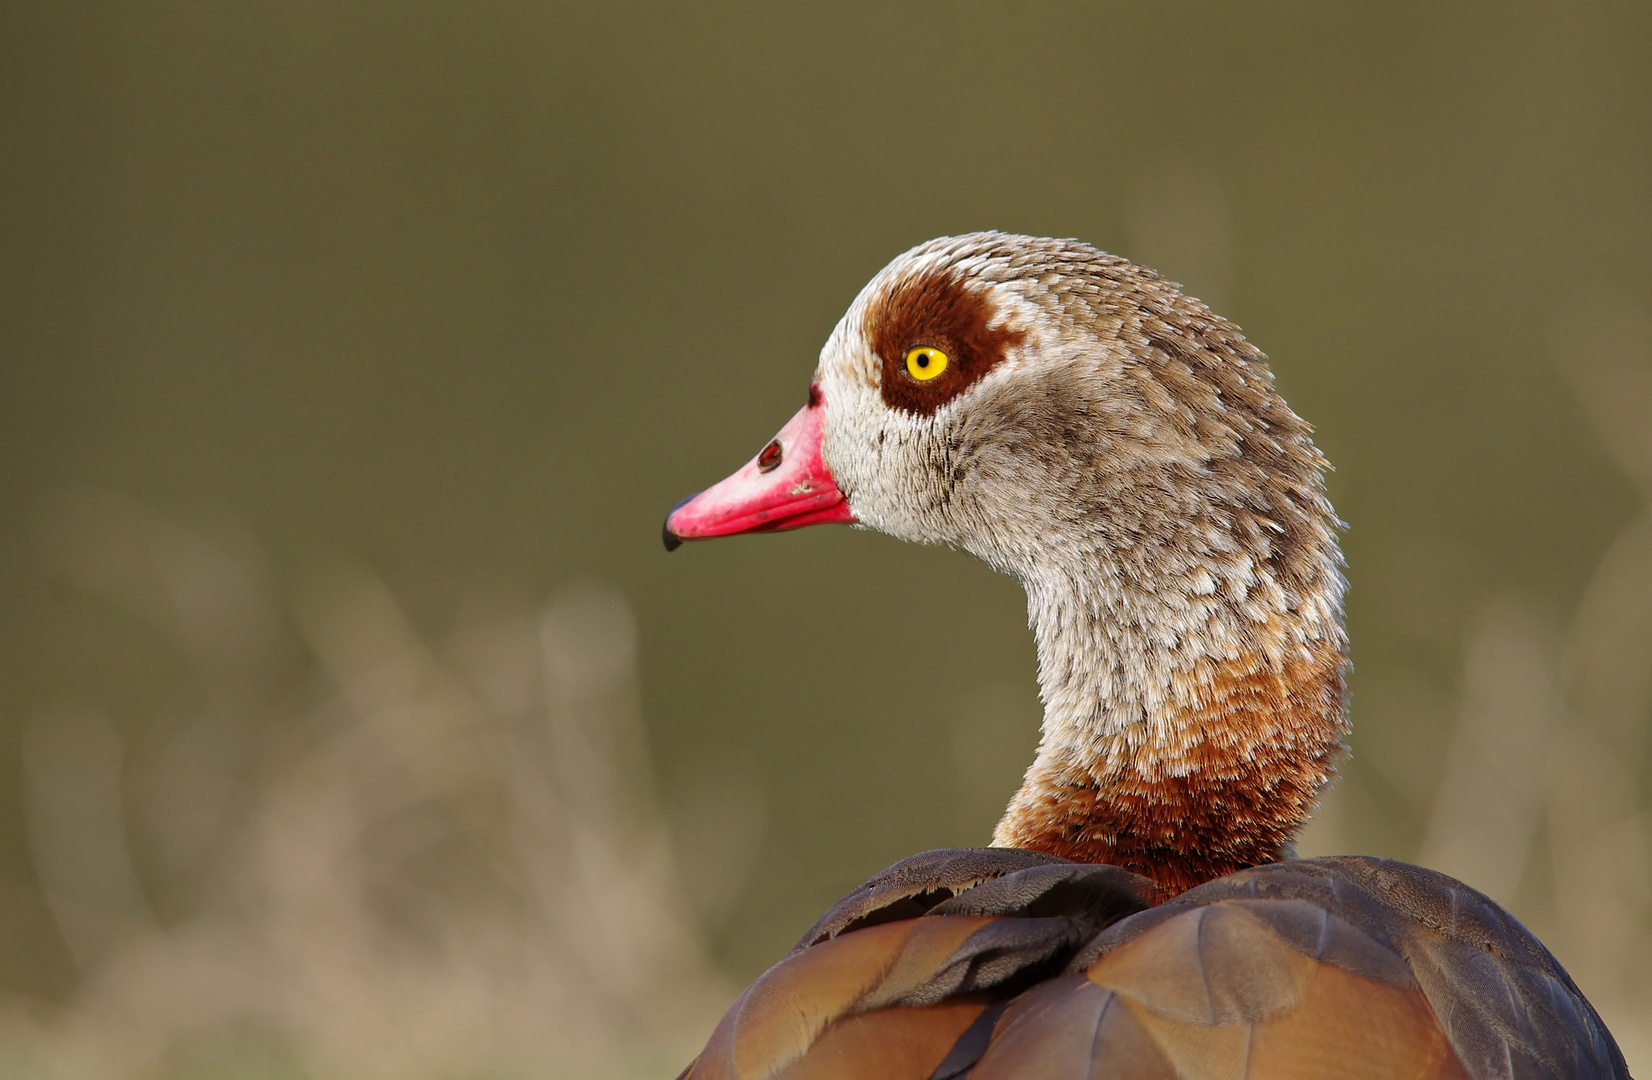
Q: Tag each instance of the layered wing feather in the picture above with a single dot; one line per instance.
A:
(990, 964)
(895, 974)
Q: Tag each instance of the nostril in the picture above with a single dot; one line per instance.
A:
(769, 459)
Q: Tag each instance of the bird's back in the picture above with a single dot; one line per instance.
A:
(991, 963)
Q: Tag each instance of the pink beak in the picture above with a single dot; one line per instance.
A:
(787, 486)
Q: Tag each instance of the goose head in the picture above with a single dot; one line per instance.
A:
(1078, 423)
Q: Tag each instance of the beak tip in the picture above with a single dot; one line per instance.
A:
(671, 540)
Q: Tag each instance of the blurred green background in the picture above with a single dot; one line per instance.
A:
(467, 295)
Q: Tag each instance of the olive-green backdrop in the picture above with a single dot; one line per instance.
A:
(465, 295)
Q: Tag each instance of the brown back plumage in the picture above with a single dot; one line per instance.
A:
(998, 963)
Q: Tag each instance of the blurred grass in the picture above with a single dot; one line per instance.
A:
(472, 293)
(407, 858)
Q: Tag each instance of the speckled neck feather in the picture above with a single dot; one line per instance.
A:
(1190, 640)
(1122, 451)
(1209, 767)
(1182, 753)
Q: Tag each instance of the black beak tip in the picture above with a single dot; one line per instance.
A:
(671, 540)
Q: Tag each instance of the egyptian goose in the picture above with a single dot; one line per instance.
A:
(1079, 424)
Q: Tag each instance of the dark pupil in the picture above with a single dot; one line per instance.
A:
(923, 359)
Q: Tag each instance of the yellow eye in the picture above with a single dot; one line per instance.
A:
(925, 362)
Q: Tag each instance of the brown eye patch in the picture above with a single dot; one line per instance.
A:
(940, 310)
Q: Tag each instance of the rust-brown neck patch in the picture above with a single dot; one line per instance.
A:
(1262, 742)
(939, 309)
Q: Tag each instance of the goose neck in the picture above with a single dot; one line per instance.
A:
(1186, 733)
